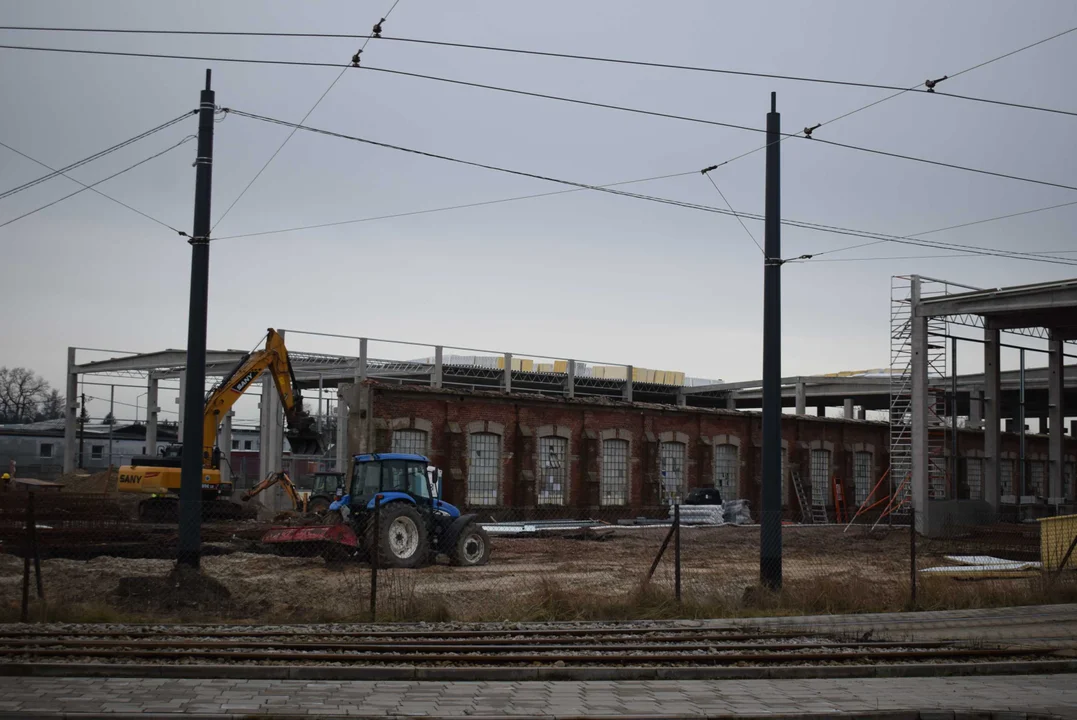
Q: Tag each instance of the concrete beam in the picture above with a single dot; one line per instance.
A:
(1023, 298)
(992, 405)
(435, 376)
(1055, 406)
(342, 433)
(225, 443)
(70, 412)
(920, 458)
(152, 410)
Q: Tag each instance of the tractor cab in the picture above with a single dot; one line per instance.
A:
(397, 476)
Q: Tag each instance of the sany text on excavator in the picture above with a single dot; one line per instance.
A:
(159, 476)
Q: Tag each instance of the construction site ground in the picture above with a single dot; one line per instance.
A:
(832, 569)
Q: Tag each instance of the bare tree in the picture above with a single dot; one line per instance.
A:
(21, 392)
(52, 406)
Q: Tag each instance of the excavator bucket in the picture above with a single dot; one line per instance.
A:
(303, 436)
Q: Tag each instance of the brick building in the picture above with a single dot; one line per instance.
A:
(572, 455)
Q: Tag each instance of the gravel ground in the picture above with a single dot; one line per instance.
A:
(268, 588)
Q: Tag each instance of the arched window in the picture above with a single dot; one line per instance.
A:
(671, 465)
(409, 441)
(484, 469)
(726, 463)
(614, 482)
(552, 470)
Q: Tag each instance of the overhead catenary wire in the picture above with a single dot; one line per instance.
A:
(581, 57)
(807, 132)
(97, 155)
(706, 174)
(92, 186)
(313, 107)
(462, 206)
(650, 198)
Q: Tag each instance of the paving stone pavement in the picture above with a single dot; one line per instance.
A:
(29, 697)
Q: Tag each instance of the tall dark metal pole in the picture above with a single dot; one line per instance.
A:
(953, 421)
(1021, 488)
(770, 532)
(190, 515)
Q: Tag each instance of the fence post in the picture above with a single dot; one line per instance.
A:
(912, 556)
(677, 551)
(25, 616)
(375, 560)
(31, 522)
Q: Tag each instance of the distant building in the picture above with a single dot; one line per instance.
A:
(37, 449)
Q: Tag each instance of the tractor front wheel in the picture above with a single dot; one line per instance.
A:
(472, 547)
(402, 541)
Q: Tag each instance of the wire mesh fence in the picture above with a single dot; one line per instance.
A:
(99, 561)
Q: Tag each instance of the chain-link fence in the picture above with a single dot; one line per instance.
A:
(100, 561)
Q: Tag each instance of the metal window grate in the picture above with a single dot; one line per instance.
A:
(974, 477)
(553, 470)
(725, 471)
(862, 483)
(671, 463)
(1006, 476)
(1037, 471)
(614, 482)
(820, 478)
(484, 470)
(409, 441)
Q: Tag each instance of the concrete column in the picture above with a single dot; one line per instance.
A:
(342, 433)
(848, 409)
(629, 373)
(920, 459)
(820, 410)
(1045, 424)
(180, 402)
(362, 358)
(318, 416)
(270, 429)
(802, 398)
(570, 381)
(152, 409)
(992, 401)
(435, 376)
(976, 408)
(731, 401)
(225, 443)
(1055, 395)
(506, 376)
(71, 402)
(861, 413)
(682, 398)
(1073, 428)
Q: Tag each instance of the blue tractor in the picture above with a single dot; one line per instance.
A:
(414, 525)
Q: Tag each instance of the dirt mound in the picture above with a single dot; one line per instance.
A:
(182, 589)
(81, 482)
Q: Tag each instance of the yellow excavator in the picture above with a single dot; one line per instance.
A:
(158, 476)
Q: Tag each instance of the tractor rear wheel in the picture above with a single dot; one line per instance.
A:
(402, 541)
(472, 547)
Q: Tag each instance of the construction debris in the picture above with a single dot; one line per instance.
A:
(985, 566)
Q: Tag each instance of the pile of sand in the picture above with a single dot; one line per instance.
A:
(102, 482)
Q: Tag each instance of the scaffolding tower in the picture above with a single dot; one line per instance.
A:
(904, 289)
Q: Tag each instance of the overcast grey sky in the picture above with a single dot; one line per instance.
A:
(584, 275)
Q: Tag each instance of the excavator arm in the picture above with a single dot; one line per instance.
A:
(273, 359)
(285, 482)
